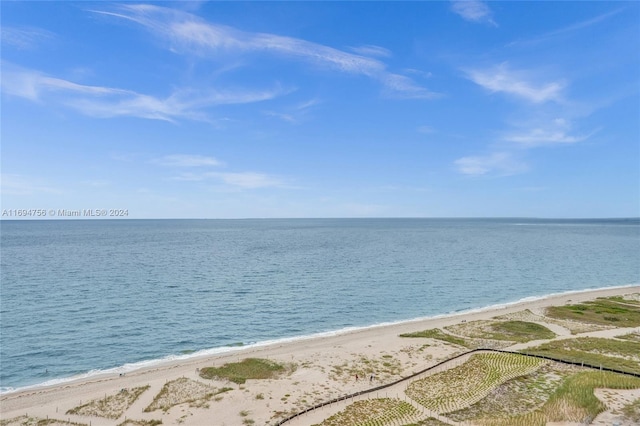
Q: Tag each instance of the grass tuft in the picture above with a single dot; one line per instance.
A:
(250, 368)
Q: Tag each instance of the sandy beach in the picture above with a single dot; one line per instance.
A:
(322, 372)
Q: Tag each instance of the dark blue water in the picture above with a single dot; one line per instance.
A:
(78, 296)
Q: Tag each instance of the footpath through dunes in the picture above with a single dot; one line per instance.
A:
(445, 370)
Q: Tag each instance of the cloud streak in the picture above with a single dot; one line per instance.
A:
(503, 163)
(473, 11)
(184, 160)
(502, 79)
(191, 34)
(107, 102)
(24, 38)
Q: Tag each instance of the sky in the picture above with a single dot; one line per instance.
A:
(321, 109)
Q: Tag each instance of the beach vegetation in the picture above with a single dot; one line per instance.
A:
(182, 391)
(111, 406)
(623, 355)
(573, 401)
(601, 311)
(519, 395)
(130, 422)
(509, 331)
(250, 368)
(634, 337)
(631, 411)
(520, 331)
(382, 369)
(374, 412)
(470, 382)
(35, 421)
(430, 421)
(438, 334)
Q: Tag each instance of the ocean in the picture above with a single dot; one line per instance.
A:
(80, 297)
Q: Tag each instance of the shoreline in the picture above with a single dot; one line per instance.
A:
(228, 351)
(316, 357)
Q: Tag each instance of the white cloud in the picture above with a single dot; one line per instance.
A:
(249, 180)
(24, 37)
(426, 130)
(190, 33)
(242, 180)
(106, 102)
(516, 83)
(371, 50)
(537, 137)
(499, 162)
(473, 10)
(184, 160)
(12, 184)
(557, 131)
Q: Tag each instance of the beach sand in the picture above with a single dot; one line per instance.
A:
(323, 372)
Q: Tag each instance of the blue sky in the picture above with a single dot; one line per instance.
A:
(322, 109)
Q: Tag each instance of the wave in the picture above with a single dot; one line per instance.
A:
(131, 367)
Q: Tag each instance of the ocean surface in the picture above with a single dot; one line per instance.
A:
(79, 297)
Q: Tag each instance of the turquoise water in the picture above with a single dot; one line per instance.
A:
(79, 297)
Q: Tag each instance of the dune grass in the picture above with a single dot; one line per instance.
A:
(573, 401)
(509, 331)
(35, 421)
(250, 368)
(436, 333)
(610, 312)
(374, 412)
(130, 422)
(111, 406)
(609, 353)
(631, 411)
(470, 382)
(181, 391)
(519, 395)
(520, 331)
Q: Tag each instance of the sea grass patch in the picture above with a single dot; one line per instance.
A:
(111, 406)
(508, 331)
(462, 386)
(36, 421)
(573, 401)
(609, 312)
(131, 422)
(182, 391)
(250, 368)
(379, 411)
(438, 334)
(621, 355)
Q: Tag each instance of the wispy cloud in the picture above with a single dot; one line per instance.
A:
(517, 83)
(190, 34)
(241, 180)
(295, 113)
(555, 132)
(106, 102)
(24, 38)
(426, 129)
(503, 163)
(12, 184)
(473, 11)
(371, 50)
(185, 160)
(551, 35)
